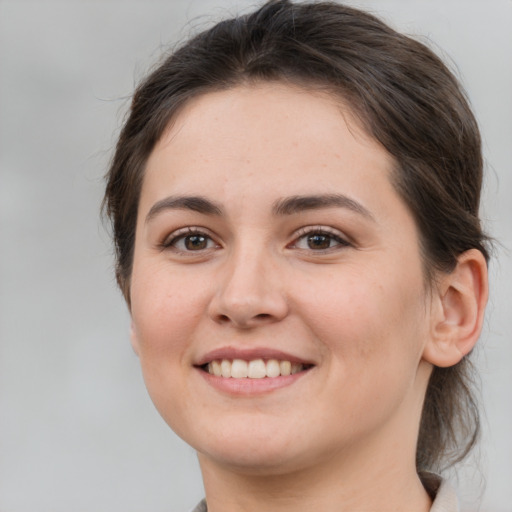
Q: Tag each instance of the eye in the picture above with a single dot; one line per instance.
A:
(189, 240)
(319, 239)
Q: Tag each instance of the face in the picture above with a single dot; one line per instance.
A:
(278, 299)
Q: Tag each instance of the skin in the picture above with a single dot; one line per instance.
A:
(342, 436)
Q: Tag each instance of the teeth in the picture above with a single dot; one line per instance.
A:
(239, 369)
(214, 367)
(225, 368)
(296, 368)
(273, 369)
(285, 367)
(255, 369)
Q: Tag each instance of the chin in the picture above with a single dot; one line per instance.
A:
(249, 447)
(262, 462)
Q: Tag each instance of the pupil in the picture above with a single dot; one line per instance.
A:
(319, 241)
(195, 242)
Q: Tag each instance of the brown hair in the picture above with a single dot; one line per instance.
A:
(405, 98)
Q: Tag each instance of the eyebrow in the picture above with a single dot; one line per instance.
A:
(297, 204)
(195, 203)
(285, 206)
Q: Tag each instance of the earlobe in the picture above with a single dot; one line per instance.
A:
(458, 312)
(133, 338)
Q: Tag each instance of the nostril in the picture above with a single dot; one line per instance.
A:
(262, 316)
(226, 319)
(223, 319)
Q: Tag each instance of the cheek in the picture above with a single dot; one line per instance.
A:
(368, 317)
(164, 312)
(164, 316)
(371, 331)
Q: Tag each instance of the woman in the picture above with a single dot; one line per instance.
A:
(294, 198)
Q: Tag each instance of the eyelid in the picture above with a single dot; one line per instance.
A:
(170, 239)
(342, 239)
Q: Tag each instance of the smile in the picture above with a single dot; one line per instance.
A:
(253, 369)
(251, 372)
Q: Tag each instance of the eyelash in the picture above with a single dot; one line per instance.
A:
(329, 233)
(172, 241)
(181, 235)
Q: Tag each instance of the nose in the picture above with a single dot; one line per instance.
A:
(250, 291)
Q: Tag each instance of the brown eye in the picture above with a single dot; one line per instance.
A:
(189, 241)
(195, 242)
(319, 241)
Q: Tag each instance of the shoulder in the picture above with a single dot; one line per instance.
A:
(443, 494)
(200, 507)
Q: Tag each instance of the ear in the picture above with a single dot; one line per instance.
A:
(458, 310)
(134, 339)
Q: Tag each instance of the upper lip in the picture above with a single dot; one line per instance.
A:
(249, 355)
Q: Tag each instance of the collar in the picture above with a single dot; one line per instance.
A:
(445, 499)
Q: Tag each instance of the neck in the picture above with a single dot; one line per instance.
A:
(350, 485)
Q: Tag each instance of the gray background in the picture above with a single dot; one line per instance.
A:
(77, 430)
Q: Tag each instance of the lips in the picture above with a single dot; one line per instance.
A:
(230, 363)
(253, 369)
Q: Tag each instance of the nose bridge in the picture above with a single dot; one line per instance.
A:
(249, 290)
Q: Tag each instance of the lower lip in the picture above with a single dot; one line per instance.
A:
(249, 387)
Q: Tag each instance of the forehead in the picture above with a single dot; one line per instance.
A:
(261, 110)
(269, 129)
